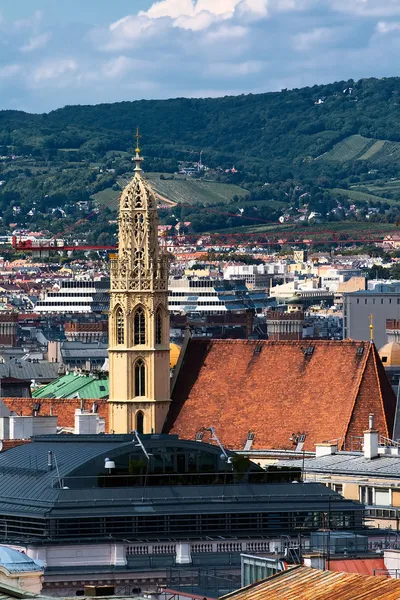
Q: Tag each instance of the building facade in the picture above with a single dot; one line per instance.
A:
(76, 296)
(98, 508)
(138, 318)
(382, 303)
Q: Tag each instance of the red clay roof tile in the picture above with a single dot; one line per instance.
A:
(276, 388)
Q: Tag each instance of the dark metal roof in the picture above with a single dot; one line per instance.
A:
(23, 369)
(28, 486)
(350, 463)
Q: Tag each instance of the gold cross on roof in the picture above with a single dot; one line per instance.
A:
(138, 136)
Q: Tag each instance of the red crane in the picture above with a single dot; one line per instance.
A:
(307, 237)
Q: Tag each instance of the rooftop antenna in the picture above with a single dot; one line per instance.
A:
(138, 159)
(371, 327)
(140, 444)
(147, 455)
(215, 438)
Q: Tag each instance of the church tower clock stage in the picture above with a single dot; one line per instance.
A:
(139, 320)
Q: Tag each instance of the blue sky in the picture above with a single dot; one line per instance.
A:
(58, 52)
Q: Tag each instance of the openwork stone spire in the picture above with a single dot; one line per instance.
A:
(139, 265)
(139, 319)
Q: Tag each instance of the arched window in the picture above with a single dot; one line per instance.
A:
(159, 324)
(140, 422)
(120, 325)
(140, 327)
(140, 378)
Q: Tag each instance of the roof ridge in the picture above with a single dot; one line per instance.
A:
(374, 353)
(358, 387)
(346, 342)
(256, 583)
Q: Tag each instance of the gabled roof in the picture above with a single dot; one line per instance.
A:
(74, 385)
(325, 389)
(304, 583)
(22, 369)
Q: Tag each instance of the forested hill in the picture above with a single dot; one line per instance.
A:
(324, 149)
(268, 133)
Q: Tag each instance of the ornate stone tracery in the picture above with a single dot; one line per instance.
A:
(139, 318)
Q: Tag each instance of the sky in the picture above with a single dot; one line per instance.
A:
(59, 52)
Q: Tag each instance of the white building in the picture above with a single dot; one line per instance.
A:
(73, 296)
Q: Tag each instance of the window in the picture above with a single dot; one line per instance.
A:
(159, 324)
(140, 378)
(382, 497)
(375, 496)
(120, 324)
(139, 422)
(140, 327)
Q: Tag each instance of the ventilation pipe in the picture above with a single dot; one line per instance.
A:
(371, 439)
(50, 465)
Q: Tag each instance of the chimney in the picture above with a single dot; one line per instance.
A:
(371, 440)
(325, 449)
(50, 465)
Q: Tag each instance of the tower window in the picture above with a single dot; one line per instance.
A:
(140, 378)
(159, 327)
(140, 422)
(140, 327)
(120, 321)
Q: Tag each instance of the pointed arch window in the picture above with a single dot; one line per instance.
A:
(159, 326)
(140, 327)
(140, 378)
(120, 325)
(140, 422)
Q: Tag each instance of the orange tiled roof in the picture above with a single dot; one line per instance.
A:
(362, 566)
(304, 583)
(275, 389)
(62, 408)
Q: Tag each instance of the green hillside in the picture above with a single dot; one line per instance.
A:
(178, 190)
(357, 147)
(291, 149)
(189, 191)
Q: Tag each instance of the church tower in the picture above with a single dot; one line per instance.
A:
(138, 352)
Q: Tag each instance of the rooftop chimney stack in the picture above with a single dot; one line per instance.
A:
(326, 449)
(50, 465)
(371, 440)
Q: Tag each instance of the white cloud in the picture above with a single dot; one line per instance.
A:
(387, 27)
(229, 69)
(37, 42)
(190, 15)
(120, 66)
(368, 8)
(198, 22)
(32, 22)
(10, 70)
(169, 8)
(54, 69)
(225, 32)
(127, 32)
(310, 39)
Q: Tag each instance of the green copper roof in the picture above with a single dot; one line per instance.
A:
(74, 385)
